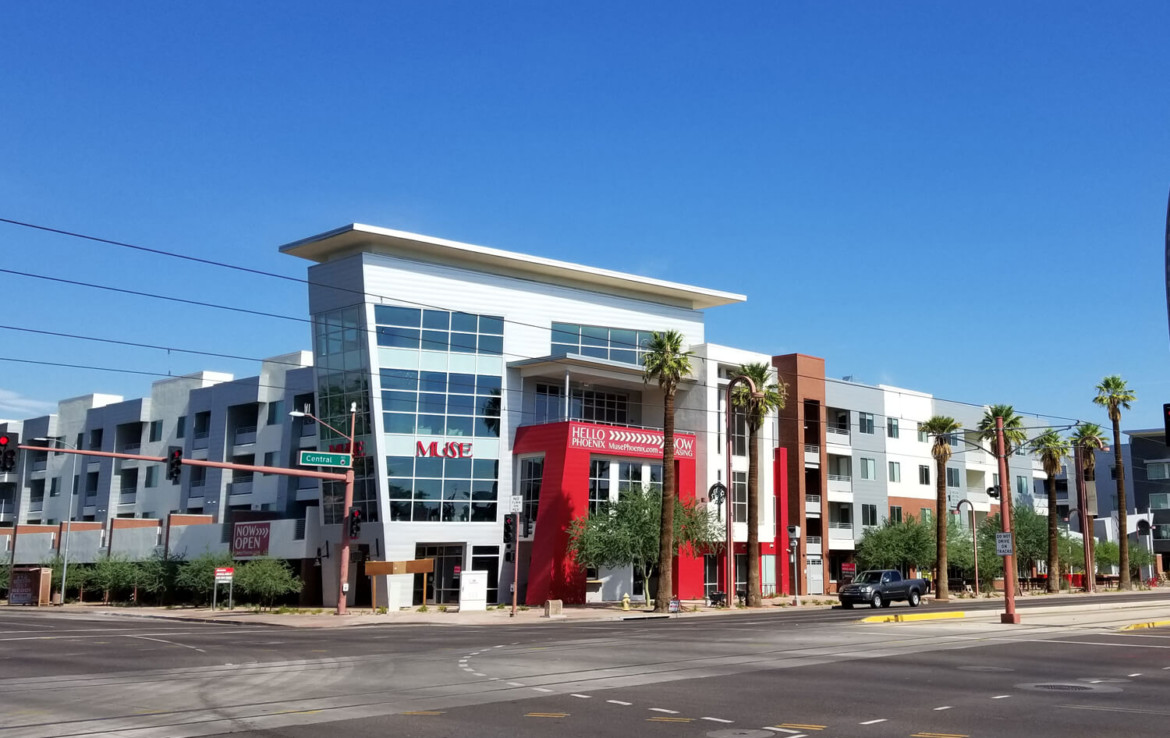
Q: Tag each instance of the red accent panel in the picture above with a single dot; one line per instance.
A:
(780, 482)
(564, 495)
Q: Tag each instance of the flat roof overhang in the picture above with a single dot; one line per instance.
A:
(357, 238)
(579, 364)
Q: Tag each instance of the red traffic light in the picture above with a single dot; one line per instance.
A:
(3, 441)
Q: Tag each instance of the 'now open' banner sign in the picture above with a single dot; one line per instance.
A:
(250, 539)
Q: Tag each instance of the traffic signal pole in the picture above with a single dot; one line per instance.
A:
(515, 567)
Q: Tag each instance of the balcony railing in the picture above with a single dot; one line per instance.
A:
(245, 434)
(840, 478)
(837, 435)
(39, 465)
(132, 448)
(811, 448)
(840, 526)
(810, 500)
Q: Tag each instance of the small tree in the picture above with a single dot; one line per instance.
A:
(157, 575)
(625, 533)
(897, 545)
(114, 575)
(197, 576)
(266, 579)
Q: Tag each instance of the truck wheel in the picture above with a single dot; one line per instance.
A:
(915, 598)
(877, 601)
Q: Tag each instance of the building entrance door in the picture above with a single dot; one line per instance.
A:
(816, 575)
(443, 583)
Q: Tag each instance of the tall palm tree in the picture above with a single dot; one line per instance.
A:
(667, 363)
(1089, 438)
(1014, 436)
(1114, 395)
(769, 396)
(942, 428)
(1052, 449)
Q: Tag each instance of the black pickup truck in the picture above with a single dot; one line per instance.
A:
(880, 587)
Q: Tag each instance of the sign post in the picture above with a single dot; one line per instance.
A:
(1003, 544)
(223, 575)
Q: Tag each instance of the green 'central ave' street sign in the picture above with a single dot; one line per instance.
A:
(324, 458)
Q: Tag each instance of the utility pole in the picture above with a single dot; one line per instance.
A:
(1010, 616)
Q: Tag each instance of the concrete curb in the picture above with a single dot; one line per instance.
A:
(911, 617)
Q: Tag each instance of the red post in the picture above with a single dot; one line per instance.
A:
(1010, 616)
(343, 566)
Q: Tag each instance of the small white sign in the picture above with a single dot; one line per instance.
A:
(517, 504)
(1003, 544)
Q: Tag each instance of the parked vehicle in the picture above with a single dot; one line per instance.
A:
(880, 587)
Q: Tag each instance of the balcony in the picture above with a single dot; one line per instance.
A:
(840, 488)
(841, 536)
(812, 506)
(127, 495)
(308, 428)
(242, 487)
(36, 505)
(39, 465)
(200, 439)
(245, 435)
(837, 435)
(812, 545)
(132, 448)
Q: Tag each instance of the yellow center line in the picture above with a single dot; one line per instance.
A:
(422, 712)
(939, 735)
(670, 720)
(547, 714)
(801, 726)
(297, 712)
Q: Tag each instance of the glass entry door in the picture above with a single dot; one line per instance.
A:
(443, 583)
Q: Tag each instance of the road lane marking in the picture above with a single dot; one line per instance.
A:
(1138, 674)
(944, 707)
(782, 730)
(939, 735)
(802, 726)
(547, 714)
(515, 684)
(169, 643)
(662, 719)
(619, 702)
(476, 673)
(582, 696)
(542, 689)
(718, 720)
(1001, 697)
(874, 722)
(419, 712)
(663, 709)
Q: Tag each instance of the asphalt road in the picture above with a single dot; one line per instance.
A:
(787, 674)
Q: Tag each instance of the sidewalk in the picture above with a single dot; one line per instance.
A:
(325, 618)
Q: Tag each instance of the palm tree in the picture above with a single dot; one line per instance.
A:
(1089, 437)
(1052, 450)
(942, 428)
(1014, 436)
(667, 363)
(1113, 394)
(769, 396)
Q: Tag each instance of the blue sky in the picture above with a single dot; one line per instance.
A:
(962, 199)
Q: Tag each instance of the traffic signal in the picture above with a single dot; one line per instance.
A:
(1166, 421)
(8, 456)
(355, 522)
(175, 464)
(509, 529)
(527, 527)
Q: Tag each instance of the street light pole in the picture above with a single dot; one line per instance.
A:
(343, 565)
(69, 510)
(1082, 504)
(974, 538)
(1010, 616)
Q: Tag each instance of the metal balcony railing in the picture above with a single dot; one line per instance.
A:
(840, 478)
(810, 448)
(840, 526)
(812, 500)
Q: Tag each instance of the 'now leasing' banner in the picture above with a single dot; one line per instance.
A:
(627, 441)
(250, 539)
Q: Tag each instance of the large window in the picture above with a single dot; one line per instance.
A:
(614, 344)
(923, 474)
(895, 471)
(531, 477)
(868, 515)
(892, 427)
(865, 423)
(896, 513)
(953, 477)
(739, 433)
(1157, 470)
(432, 489)
(440, 404)
(598, 485)
(439, 330)
(1021, 485)
(592, 405)
(739, 496)
(868, 468)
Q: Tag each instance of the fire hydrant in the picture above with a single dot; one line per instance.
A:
(626, 601)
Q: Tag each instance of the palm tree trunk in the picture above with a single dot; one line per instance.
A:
(752, 586)
(1122, 508)
(942, 589)
(666, 529)
(1053, 537)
